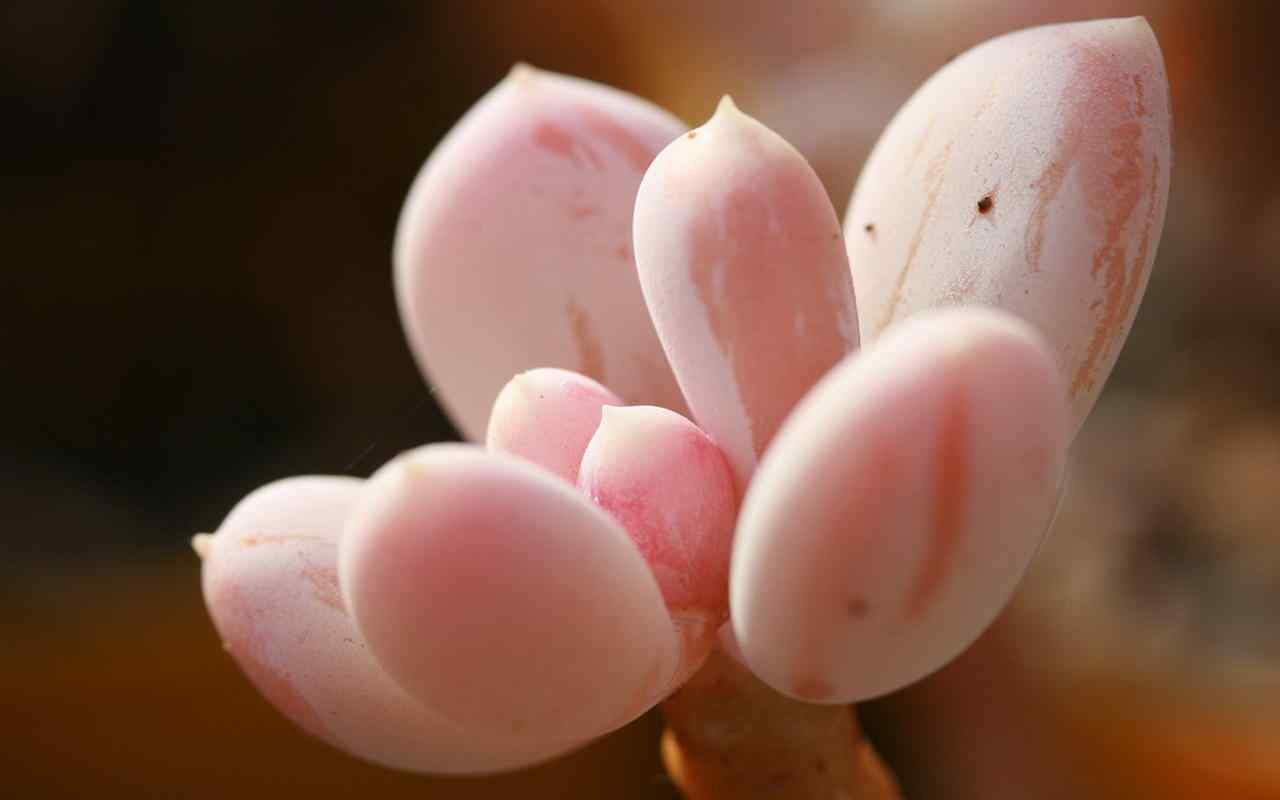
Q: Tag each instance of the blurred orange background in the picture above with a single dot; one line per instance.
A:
(197, 210)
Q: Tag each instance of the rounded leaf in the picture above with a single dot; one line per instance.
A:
(270, 578)
(1029, 174)
(514, 246)
(672, 490)
(497, 594)
(898, 507)
(745, 274)
(548, 416)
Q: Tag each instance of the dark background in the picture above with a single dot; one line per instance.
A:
(196, 212)
(198, 209)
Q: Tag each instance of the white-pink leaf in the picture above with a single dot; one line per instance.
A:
(514, 245)
(497, 594)
(270, 577)
(671, 488)
(548, 416)
(745, 274)
(1030, 174)
(899, 506)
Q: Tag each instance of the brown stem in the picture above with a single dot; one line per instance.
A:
(730, 737)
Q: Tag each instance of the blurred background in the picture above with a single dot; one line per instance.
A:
(197, 207)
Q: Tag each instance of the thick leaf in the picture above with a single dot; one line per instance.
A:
(744, 271)
(514, 246)
(271, 583)
(1030, 174)
(898, 507)
(669, 485)
(498, 594)
(548, 416)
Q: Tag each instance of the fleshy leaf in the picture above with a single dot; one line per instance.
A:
(746, 276)
(671, 488)
(497, 594)
(514, 246)
(899, 506)
(548, 416)
(1030, 174)
(270, 579)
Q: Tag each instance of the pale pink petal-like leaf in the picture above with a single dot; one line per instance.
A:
(899, 506)
(271, 583)
(514, 246)
(672, 489)
(1030, 174)
(548, 416)
(746, 276)
(499, 595)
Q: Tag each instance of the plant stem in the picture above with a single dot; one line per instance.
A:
(731, 737)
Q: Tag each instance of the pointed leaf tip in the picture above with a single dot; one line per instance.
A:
(201, 543)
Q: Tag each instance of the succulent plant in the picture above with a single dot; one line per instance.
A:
(710, 477)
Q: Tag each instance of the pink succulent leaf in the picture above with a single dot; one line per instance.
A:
(270, 578)
(514, 246)
(469, 611)
(899, 506)
(746, 277)
(497, 594)
(548, 416)
(1030, 174)
(671, 488)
